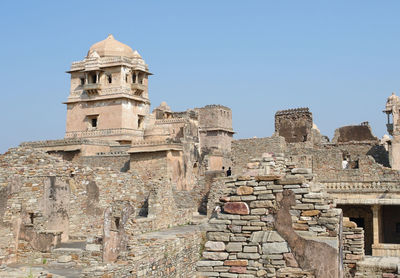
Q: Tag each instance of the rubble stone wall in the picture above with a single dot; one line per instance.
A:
(276, 225)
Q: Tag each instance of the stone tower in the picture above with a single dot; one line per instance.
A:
(392, 111)
(109, 94)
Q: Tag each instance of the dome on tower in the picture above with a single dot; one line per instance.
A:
(112, 47)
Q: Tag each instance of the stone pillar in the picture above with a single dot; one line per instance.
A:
(376, 211)
(395, 152)
(97, 77)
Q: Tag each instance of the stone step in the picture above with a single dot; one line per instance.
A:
(68, 251)
(72, 244)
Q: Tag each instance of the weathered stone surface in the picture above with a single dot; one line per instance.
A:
(209, 263)
(238, 269)
(214, 246)
(64, 259)
(313, 212)
(290, 180)
(216, 256)
(244, 190)
(300, 227)
(236, 208)
(261, 204)
(301, 171)
(266, 236)
(290, 260)
(236, 262)
(234, 247)
(218, 236)
(275, 248)
(268, 178)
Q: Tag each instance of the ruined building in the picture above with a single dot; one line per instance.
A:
(131, 192)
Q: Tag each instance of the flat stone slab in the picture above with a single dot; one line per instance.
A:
(268, 178)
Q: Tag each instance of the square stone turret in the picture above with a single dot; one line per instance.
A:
(109, 94)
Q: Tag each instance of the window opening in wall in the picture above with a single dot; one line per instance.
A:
(139, 93)
(31, 217)
(126, 78)
(140, 79)
(93, 78)
(133, 78)
(94, 122)
(140, 121)
(109, 78)
(116, 222)
(82, 80)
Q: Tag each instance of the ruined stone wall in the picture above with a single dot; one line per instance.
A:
(169, 253)
(279, 224)
(115, 162)
(294, 124)
(326, 163)
(244, 150)
(273, 227)
(48, 200)
(353, 245)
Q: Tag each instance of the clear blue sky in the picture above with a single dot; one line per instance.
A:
(339, 58)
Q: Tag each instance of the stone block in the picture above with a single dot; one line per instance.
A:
(215, 256)
(266, 236)
(259, 211)
(251, 256)
(248, 198)
(214, 246)
(218, 236)
(300, 227)
(250, 249)
(238, 269)
(228, 275)
(266, 197)
(261, 204)
(290, 180)
(236, 262)
(275, 248)
(64, 259)
(301, 171)
(268, 178)
(234, 247)
(209, 263)
(244, 190)
(236, 208)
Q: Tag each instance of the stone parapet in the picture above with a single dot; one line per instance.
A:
(104, 132)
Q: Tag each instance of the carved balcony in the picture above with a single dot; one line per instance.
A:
(138, 89)
(92, 88)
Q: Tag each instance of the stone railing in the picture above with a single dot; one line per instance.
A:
(64, 142)
(170, 121)
(361, 186)
(103, 61)
(104, 132)
(386, 250)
